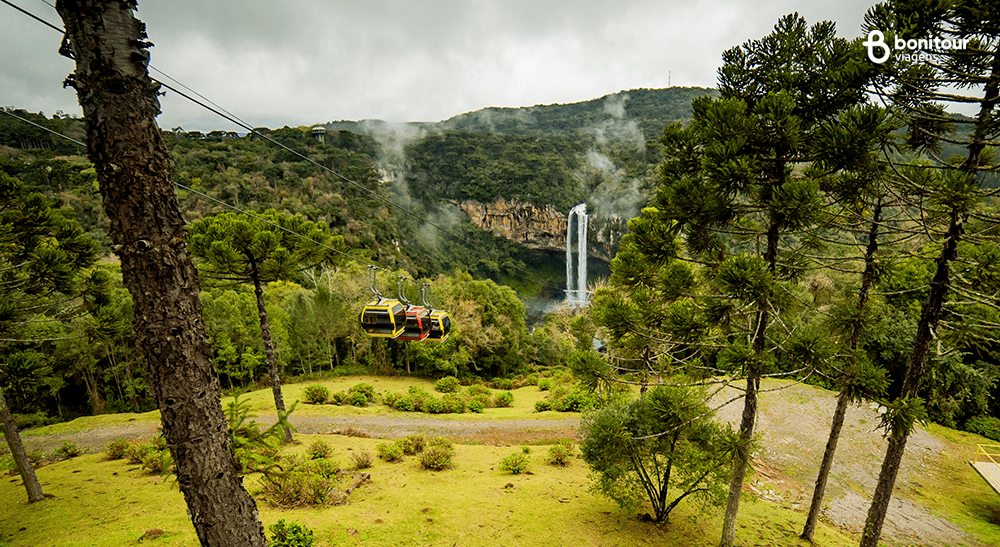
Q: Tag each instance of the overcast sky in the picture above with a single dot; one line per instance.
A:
(300, 62)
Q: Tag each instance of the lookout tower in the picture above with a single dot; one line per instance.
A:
(319, 133)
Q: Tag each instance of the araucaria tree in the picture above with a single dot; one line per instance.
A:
(259, 249)
(741, 183)
(949, 191)
(43, 261)
(147, 232)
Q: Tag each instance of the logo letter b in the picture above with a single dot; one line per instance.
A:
(876, 40)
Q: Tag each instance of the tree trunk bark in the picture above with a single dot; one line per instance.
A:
(272, 360)
(24, 467)
(824, 469)
(147, 231)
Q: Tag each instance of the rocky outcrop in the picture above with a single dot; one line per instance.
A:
(542, 227)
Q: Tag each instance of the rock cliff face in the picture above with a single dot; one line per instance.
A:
(542, 227)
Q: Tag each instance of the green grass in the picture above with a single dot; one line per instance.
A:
(955, 491)
(110, 503)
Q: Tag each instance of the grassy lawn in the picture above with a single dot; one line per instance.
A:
(110, 503)
(98, 502)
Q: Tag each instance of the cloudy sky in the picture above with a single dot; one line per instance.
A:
(299, 62)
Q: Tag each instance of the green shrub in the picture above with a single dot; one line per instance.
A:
(404, 404)
(515, 463)
(390, 452)
(453, 404)
(357, 398)
(503, 399)
(559, 453)
(116, 449)
(337, 398)
(485, 400)
(157, 461)
(441, 442)
(366, 389)
(544, 384)
(437, 458)
(362, 459)
(987, 426)
(477, 390)
(434, 406)
(503, 383)
(319, 449)
(135, 453)
(543, 405)
(448, 384)
(477, 406)
(38, 419)
(290, 535)
(412, 444)
(315, 394)
(323, 467)
(66, 451)
(577, 401)
(391, 399)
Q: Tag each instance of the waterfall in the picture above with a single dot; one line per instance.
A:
(578, 295)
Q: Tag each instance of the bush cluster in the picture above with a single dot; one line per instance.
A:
(319, 449)
(476, 399)
(297, 481)
(438, 455)
(560, 452)
(315, 394)
(515, 463)
(291, 534)
(153, 456)
(448, 384)
(563, 400)
(987, 426)
(359, 395)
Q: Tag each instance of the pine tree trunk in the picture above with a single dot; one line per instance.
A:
(824, 469)
(147, 232)
(272, 360)
(24, 467)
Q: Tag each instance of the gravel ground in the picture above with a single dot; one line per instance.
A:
(793, 425)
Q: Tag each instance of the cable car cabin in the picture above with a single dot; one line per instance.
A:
(383, 318)
(418, 324)
(440, 326)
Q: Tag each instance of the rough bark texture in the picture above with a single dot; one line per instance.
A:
(272, 360)
(147, 231)
(21, 460)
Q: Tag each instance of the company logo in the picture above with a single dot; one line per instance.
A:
(921, 50)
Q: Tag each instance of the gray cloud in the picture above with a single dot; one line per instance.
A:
(300, 62)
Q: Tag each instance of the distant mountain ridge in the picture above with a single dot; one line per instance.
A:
(652, 109)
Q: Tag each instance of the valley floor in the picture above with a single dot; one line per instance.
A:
(939, 498)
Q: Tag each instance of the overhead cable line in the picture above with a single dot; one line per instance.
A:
(232, 118)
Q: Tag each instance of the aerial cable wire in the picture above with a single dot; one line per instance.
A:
(223, 113)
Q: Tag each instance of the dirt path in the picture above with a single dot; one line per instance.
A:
(502, 432)
(793, 424)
